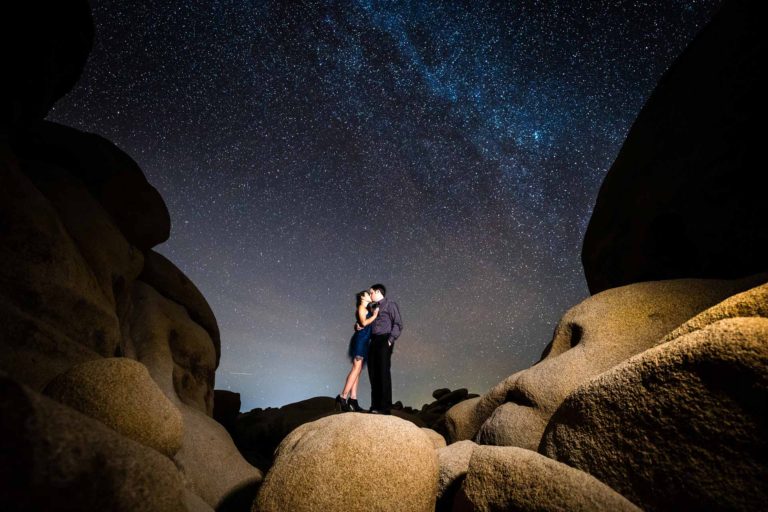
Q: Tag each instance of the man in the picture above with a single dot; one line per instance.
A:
(386, 329)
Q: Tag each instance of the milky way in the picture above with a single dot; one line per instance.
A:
(451, 150)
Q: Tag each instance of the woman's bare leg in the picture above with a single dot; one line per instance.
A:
(357, 380)
(352, 377)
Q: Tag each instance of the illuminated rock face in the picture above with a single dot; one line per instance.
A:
(680, 426)
(597, 334)
(352, 461)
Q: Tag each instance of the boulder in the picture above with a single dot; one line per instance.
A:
(110, 175)
(44, 46)
(120, 393)
(753, 302)
(453, 461)
(510, 478)
(226, 408)
(160, 273)
(436, 394)
(680, 426)
(54, 312)
(181, 359)
(461, 420)
(602, 331)
(53, 458)
(686, 194)
(352, 462)
(438, 441)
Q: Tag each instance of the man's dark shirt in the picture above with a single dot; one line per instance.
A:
(388, 321)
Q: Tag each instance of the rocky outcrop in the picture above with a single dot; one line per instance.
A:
(453, 461)
(510, 478)
(181, 358)
(597, 334)
(352, 462)
(462, 421)
(686, 194)
(44, 46)
(438, 441)
(56, 459)
(680, 426)
(110, 176)
(120, 393)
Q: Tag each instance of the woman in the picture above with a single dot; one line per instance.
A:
(358, 352)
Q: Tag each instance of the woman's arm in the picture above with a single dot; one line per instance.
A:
(361, 312)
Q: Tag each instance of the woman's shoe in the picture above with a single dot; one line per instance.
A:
(343, 404)
(354, 405)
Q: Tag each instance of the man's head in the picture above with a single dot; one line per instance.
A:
(378, 292)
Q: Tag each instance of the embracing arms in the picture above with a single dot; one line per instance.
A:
(361, 312)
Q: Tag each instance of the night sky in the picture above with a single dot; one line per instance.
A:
(306, 150)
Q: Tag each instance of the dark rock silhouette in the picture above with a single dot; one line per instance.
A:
(43, 48)
(686, 194)
(109, 174)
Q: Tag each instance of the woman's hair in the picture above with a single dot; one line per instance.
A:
(359, 297)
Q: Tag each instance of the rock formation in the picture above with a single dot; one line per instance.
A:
(601, 332)
(350, 462)
(509, 478)
(680, 426)
(88, 311)
(686, 194)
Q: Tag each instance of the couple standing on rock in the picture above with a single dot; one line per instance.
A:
(378, 326)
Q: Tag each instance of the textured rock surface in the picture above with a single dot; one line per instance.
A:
(603, 331)
(53, 458)
(120, 393)
(462, 421)
(352, 462)
(686, 194)
(753, 302)
(166, 278)
(678, 427)
(453, 461)
(53, 310)
(438, 441)
(181, 358)
(510, 478)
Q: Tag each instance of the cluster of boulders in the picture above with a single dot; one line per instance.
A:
(258, 432)
(107, 350)
(651, 395)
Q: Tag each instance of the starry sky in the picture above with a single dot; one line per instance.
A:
(452, 150)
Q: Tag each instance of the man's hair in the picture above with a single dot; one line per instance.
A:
(380, 287)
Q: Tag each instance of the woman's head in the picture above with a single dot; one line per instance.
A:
(363, 298)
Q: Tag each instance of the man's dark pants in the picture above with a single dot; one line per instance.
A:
(379, 364)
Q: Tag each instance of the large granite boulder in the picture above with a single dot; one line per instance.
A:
(120, 393)
(593, 336)
(53, 458)
(686, 194)
(108, 173)
(509, 478)
(679, 427)
(160, 273)
(43, 48)
(349, 462)
(462, 422)
(453, 461)
(54, 311)
(181, 359)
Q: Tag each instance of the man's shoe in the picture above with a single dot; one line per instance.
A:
(354, 405)
(374, 411)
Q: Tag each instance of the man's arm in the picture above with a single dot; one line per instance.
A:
(397, 323)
